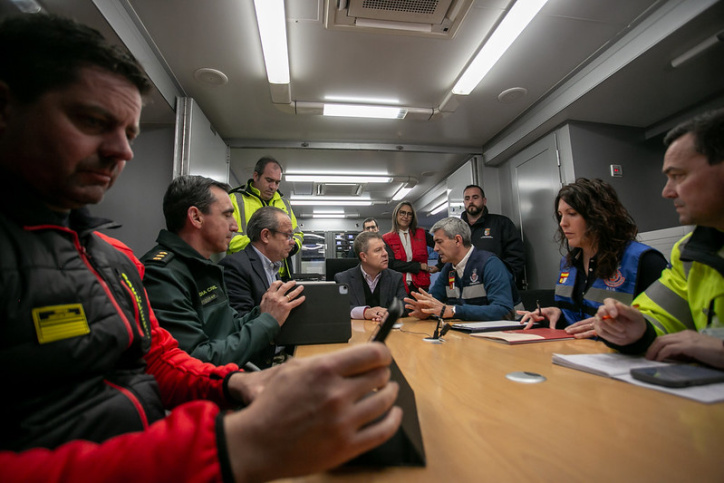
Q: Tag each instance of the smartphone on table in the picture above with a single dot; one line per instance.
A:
(678, 375)
(394, 312)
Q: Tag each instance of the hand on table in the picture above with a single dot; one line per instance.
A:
(688, 345)
(550, 313)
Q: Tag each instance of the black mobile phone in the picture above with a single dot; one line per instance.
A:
(679, 375)
(394, 312)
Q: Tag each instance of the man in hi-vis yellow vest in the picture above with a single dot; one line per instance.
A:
(263, 190)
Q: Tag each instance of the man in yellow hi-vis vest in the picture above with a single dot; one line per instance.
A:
(263, 190)
(681, 316)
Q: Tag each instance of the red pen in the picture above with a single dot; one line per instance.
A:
(606, 317)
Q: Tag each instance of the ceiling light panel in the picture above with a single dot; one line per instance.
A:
(503, 37)
(271, 20)
(359, 110)
(353, 179)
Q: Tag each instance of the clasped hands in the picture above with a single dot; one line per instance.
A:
(376, 314)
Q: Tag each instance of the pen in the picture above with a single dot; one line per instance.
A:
(606, 317)
(537, 302)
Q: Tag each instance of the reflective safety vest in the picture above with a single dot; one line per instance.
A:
(246, 201)
(690, 294)
(620, 286)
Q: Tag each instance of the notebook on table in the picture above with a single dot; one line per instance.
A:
(490, 325)
(514, 337)
(323, 317)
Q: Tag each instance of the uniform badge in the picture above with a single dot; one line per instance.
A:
(487, 232)
(474, 276)
(616, 281)
(563, 277)
(58, 322)
(451, 279)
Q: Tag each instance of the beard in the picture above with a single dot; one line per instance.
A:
(473, 210)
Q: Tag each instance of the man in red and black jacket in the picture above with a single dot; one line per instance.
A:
(92, 375)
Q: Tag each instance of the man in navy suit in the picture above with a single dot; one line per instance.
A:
(249, 273)
(371, 284)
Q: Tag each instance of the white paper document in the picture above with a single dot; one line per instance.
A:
(618, 366)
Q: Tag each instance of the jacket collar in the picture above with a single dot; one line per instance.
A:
(251, 190)
(20, 202)
(479, 221)
(704, 246)
(179, 247)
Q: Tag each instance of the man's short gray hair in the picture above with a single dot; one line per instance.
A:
(452, 226)
(265, 217)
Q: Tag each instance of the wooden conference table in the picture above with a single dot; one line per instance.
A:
(479, 426)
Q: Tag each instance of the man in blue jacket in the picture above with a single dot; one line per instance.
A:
(473, 284)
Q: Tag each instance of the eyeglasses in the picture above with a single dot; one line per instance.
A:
(290, 235)
(404, 213)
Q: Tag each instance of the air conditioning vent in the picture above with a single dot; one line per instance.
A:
(430, 18)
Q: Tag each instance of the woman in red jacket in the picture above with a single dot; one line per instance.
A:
(407, 247)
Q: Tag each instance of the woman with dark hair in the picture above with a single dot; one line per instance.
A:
(408, 248)
(603, 258)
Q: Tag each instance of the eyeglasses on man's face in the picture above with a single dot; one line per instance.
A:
(404, 213)
(289, 236)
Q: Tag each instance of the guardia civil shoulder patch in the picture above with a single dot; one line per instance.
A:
(58, 322)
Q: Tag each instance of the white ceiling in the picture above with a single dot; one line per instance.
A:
(550, 58)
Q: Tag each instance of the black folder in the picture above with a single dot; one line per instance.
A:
(323, 318)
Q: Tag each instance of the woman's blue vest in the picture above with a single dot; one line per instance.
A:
(620, 287)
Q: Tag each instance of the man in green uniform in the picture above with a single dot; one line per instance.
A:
(681, 316)
(187, 289)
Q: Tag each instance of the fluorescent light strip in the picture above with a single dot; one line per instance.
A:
(509, 29)
(337, 178)
(361, 100)
(27, 6)
(340, 173)
(330, 203)
(272, 24)
(438, 209)
(359, 110)
(365, 197)
(340, 215)
(401, 193)
(328, 212)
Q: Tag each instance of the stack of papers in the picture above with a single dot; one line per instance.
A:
(524, 336)
(618, 366)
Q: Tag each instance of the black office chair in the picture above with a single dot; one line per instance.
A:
(333, 266)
